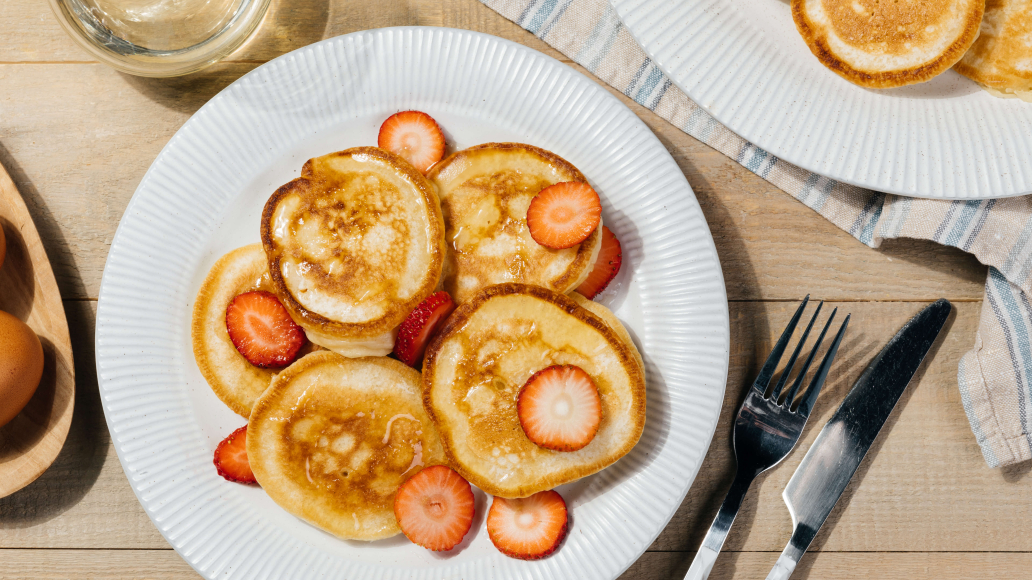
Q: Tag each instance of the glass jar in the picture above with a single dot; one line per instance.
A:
(159, 38)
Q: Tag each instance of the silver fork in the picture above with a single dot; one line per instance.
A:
(766, 430)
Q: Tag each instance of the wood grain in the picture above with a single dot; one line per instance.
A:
(30, 442)
(167, 565)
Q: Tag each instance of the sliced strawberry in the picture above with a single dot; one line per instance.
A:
(417, 330)
(415, 136)
(435, 508)
(231, 457)
(607, 266)
(528, 528)
(559, 408)
(262, 331)
(564, 215)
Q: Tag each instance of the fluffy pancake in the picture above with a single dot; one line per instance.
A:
(236, 381)
(333, 437)
(477, 365)
(881, 43)
(1001, 59)
(354, 245)
(485, 192)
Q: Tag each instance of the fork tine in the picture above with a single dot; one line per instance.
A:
(809, 360)
(776, 393)
(806, 405)
(767, 372)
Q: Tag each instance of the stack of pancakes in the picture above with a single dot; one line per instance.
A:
(890, 43)
(350, 248)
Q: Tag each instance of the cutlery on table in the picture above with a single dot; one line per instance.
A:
(833, 458)
(765, 431)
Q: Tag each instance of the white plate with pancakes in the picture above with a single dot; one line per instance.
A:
(203, 197)
(744, 63)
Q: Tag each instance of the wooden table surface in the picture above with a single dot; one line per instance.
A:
(77, 137)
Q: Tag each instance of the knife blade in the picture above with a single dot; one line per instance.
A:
(841, 445)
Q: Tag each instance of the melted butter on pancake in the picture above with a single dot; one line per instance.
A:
(480, 361)
(354, 245)
(343, 453)
(485, 192)
(345, 242)
(333, 438)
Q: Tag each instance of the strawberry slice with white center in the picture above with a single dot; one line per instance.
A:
(420, 326)
(559, 408)
(528, 528)
(564, 215)
(262, 330)
(435, 508)
(231, 458)
(607, 266)
(415, 136)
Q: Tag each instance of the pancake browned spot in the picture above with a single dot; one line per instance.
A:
(477, 365)
(485, 192)
(354, 245)
(888, 43)
(1001, 59)
(333, 438)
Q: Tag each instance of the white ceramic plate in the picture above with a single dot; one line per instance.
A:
(745, 64)
(203, 196)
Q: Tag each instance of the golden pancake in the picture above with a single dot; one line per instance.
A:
(235, 381)
(485, 192)
(477, 365)
(333, 437)
(354, 245)
(888, 43)
(1001, 59)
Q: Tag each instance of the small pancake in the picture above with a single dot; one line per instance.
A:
(477, 365)
(333, 437)
(485, 192)
(881, 44)
(354, 245)
(1001, 59)
(235, 381)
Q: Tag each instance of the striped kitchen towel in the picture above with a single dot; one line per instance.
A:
(994, 377)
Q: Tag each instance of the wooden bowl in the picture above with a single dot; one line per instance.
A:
(28, 290)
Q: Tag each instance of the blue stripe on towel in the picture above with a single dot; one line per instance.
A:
(984, 215)
(967, 215)
(1017, 341)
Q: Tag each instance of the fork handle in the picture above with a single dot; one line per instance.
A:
(714, 540)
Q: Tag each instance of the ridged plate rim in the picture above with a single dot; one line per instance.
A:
(142, 340)
(743, 62)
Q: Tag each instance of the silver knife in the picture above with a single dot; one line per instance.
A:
(832, 460)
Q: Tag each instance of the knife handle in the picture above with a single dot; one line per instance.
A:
(702, 564)
(782, 568)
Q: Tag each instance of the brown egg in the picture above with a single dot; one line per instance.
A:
(21, 366)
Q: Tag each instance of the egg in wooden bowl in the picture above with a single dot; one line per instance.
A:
(21, 366)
